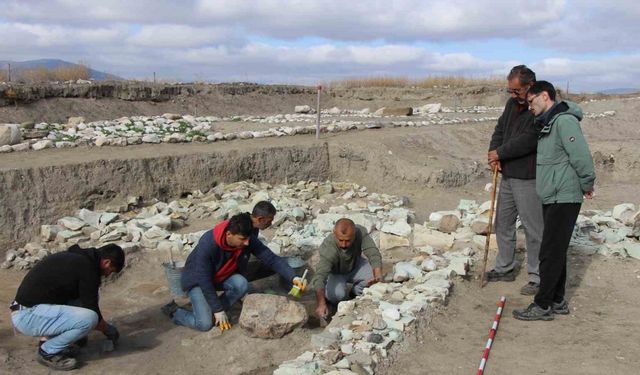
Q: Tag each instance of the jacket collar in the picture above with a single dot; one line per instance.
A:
(544, 121)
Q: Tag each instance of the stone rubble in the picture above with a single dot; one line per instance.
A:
(176, 128)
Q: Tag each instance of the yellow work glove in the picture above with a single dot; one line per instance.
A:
(300, 283)
(222, 321)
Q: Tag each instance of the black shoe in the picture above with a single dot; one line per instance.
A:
(70, 351)
(60, 361)
(560, 308)
(170, 309)
(82, 342)
(494, 275)
(533, 312)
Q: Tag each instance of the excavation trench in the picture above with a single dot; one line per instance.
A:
(38, 189)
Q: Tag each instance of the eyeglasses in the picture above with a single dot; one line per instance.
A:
(518, 91)
(530, 101)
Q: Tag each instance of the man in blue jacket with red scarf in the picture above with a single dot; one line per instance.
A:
(217, 263)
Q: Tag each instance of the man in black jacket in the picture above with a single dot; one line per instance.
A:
(513, 151)
(58, 299)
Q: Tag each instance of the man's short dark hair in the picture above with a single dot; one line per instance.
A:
(263, 208)
(545, 86)
(523, 73)
(240, 224)
(114, 253)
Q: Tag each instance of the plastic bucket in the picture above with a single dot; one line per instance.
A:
(173, 272)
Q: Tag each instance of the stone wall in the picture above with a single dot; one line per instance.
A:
(135, 91)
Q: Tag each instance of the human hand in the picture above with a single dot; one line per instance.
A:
(372, 281)
(222, 321)
(300, 283)
(495, 164)
(589, 194)
(492, 156)
(322, 311)
(112, 333)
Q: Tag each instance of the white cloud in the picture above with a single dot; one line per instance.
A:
(180, 36)
(588, 42)
(23, 35)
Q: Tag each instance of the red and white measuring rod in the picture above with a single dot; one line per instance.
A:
(492, 335)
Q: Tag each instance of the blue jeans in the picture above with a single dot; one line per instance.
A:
(201, 318)
(62, 324)
(336, 289)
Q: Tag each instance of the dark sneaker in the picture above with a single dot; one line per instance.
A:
(60, 361)
(494, 275)
(70, 351)
(533, 312)
(531, 289)
(560, 308)
(169, 309)
(82, 342)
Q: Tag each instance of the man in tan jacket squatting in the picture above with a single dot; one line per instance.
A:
(341, 262)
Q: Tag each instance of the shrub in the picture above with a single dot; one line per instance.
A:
(62, 73)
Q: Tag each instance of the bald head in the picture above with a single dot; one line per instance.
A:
(344, 232)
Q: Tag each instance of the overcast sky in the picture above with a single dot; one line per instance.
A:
(592, 44)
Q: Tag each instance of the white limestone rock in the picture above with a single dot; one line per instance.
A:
(345, 308)
(156, 233)
(399, 228)
(71, 223)
(632, 248)
(423, 236)
(480, 226)
(50, 232)
(403, 271)
(429, 108)
(25, 146)
(390, 241)
(302, 109)
(161, 220)
(41, 145)
(429, 265)
(624, 213)
(107, 218)
(150, 138)
(10, 134)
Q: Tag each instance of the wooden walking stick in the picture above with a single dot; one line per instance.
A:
(486, 245)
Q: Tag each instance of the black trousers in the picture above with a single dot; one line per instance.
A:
(559, 221)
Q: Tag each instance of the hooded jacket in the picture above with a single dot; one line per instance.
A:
(515, 139)
(564, 167)
(213, 261)
(58, 279)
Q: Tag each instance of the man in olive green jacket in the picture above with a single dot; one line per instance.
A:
(565, 174)
(341, 262)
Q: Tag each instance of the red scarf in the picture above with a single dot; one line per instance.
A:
(231, 265)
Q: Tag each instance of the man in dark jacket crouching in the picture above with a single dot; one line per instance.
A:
(58, 300)
(217, 263)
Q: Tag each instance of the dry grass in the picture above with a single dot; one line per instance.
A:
(63, 73)
(428, 82)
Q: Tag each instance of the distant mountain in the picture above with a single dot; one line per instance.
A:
(619, 91)
(17, 66)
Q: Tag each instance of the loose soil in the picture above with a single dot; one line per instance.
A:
(599, 336)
